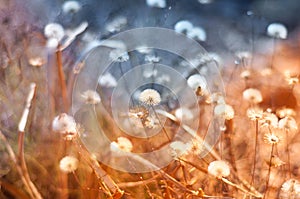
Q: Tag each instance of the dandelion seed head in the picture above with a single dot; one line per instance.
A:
(107, 80)
(271, 138)
(196, 81)
(252, 95)
(68, 164)
(54, 31)
(276, 161)
(197, 33)
(218, 169)
(183, 26)
(290, 189)
(117, 24)
(269, 120)
(65, 124)
(254, 113)
(285, 112)
(122, 144)
(156, 3)
(91, 97)
(152, 59)
(277, 30)
(246, 74)
(150, 97)
(288, 123)
(179, 148)
(225, 111)
(71, 6)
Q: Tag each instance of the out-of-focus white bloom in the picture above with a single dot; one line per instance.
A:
(107, 80)
(255, 113)
(184, 114)
(119, 55)
(68, 164)
(179, 148)
(197, 33)
(277, 30)
(65, 124)
(269, 119)
(183, 26)
(288, 123)
(117, 24)
(252, 95)
(91, 97)
(218, 169)
(245, 74)
(156, 3)
(196, 81)
(225, 111)
(52, 43)
(152, 59)
(290, 189)
(272, 138)
(150, 73)
(285, 112)
(205, 1)
(150, 97)
(163, 79)
(71, 6)
(54, 31)
(243, 55)
(144, 49)
(122, 144)
(217, 98)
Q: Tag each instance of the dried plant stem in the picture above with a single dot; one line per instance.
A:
(15, 161)
(110, 187)
(255, 194)
(62, 79)
(160, 124)
(138, 183)
(255, 152)
(21, 128)
(269, 171)
(14, 191)
(288, 153)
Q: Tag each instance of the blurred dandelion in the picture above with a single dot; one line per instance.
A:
(68, 164)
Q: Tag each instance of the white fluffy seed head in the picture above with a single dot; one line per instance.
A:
(290, 189)
(196, 81)
(179, 148)
(68, 164)
(277, 30)
(107, 80)
(91, 97)
(197, 33)
(225, 111)
(122, 144)
(288, 123)
(218, 169)
(54, 31)
(65, 124)
(183, 26)
(150, 97)
(71, 6)
(252, 95)
(156, 3)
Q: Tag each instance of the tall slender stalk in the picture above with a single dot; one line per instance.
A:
(269, 171)
(255, 153)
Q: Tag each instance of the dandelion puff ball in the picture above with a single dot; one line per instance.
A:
(218, 169)
(156, 3)
(54, 30)
(224, 110)
(150, 97)
(64, 123)
(68, 164)
(91, 97)
(252, 95)
(277, 30)
(122, 144)
(183, 26)
(290, 189)
(71, 7)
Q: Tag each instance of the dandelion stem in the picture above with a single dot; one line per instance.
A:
(255, 152)
(288, 153)
(160, 124)
(62, 79)
(269, 171)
